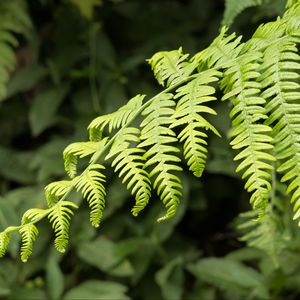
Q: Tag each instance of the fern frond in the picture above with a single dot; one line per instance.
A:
(221, 52)
(282, 91)
(60, 215)
(234, 7)
(170, 67)
(4, 241)
(250, 137)
(263, 233)
(33, 215)
(291, 18)
(116, 119)
(157, 135)
(14, 19)
(90, 184)
(81, 149)
(129, 162)
(188, 112)
(57, 189)
(28, 232)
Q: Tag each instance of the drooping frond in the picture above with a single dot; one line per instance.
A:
(221, 52)
(116, 119)
(188, 114)
(249, 136)
(158, 138)
(81, 149)
(4, 241)
(14, 19)
(234, 7)
(282, 91)
(60, 215)
(28, 232)
(90, 184)
(55, 190)
(33, 215)
(263, 233)
(170, 67)
(129, 162)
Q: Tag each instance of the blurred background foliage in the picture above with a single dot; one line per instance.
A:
(76, 59)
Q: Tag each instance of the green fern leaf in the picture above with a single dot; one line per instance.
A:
(220, 53)
(60, 216)
(81, 149)
(188, 113)
(28, 232)
(234, 7)
(282, 91)
(33, 215)
(157, 135)
(116, 119)
(4, 241)
(170, 67)
(57, 189)
(250, 137)
(90, 184)
(14, 19)
(129, 162)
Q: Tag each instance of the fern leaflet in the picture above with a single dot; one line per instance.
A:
(116, 119)
(170, 67)
(55, 190)
(60, 216)
(158, 136)
(129, 162)
(81, 149)
(28, 232)
(192, 97)
(90, 183)
(281, 62)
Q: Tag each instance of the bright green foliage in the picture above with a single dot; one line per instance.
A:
(170, 67)
(258, 78)
(89, 183)
(59, 217)
(129, 162)
(4, 241)
(28, 233)
(79, 150)
(55, 190)
(14, 19)
(157, 136)
(234, 7)
(116, 119)
(249, 135)
(188, 112)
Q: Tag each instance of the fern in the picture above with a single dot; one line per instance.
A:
(141, 141)
(170, 67)
(117, 119)
(90, 184)
(4, 241)
(129, 162)
(192, 97)
(283, 92)
(60, 216)
(80, 150)
(55, 190)
(29, 233)
(234, 7)
(14, 19)
(158, 136)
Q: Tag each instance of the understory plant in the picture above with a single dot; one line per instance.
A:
(149, 141)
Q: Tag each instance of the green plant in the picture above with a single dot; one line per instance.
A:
(145, 139)
(14, 19)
